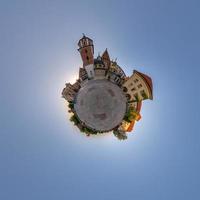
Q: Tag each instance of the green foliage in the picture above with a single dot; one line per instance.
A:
(144, 95)
(90, 131)
(74, 119)
(71, 105)
(120, 134)
(130, 115)
(82, 127)
(136, 98)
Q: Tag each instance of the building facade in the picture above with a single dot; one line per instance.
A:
(115, 73)
(69, 92)
(138, 87)
(99, 68)
(124, 126)
(76, 85)
(128, 126)
(82, 74)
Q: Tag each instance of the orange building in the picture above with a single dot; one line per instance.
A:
(138, 117)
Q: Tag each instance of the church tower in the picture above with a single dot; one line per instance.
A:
(106, 59)
(86, 49)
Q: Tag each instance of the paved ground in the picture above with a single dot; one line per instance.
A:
(100, 104)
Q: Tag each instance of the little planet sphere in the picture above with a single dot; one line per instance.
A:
(103, 99)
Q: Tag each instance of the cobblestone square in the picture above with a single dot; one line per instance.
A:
(100, 104)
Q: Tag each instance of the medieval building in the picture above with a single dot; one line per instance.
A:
(99, 67)
(115, 73)
(136, 88)
(106, 59)
(86, 49)
(70, 91)
(82, 74)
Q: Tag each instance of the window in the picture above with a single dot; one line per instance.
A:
(136, 80)
(125, 89)
(143, 94)
(128, 96)
(131, 84)
(136, 97)
(133, 89)
(140, 85)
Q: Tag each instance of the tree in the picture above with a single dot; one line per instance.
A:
(74, 119)
(131, 115)
(121, 135)
(71, 105)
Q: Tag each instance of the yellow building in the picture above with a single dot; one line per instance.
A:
(124, 126)
(115, 73)
(135, 116)
(138, 87)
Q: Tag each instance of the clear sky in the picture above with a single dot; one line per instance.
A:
(43, 156)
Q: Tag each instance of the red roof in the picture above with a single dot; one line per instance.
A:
(105, 55)
(148, 81)
(130, 128)
(139, 105)
(106, 58)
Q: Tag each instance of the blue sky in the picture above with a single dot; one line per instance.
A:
(43, 156)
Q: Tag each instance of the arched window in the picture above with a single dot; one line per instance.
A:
(140, 85)
(128, 96)
(136, 80)
(133, 89)
(125, 89)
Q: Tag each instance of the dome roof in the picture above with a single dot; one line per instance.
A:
(98, 60)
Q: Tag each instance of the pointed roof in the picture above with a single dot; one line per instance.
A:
(106, 58)
(147, 80)
(105, 55)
